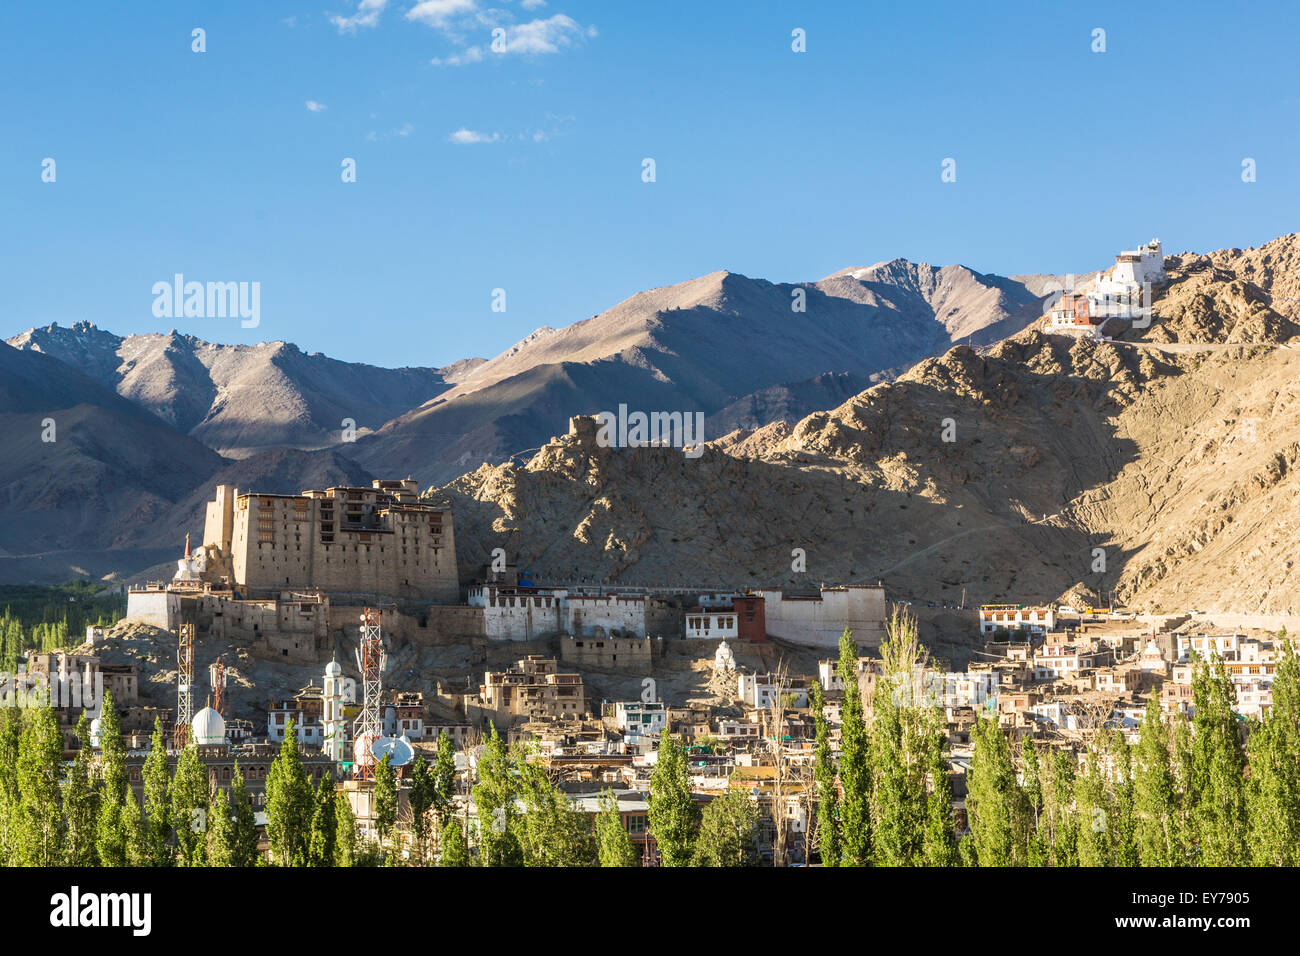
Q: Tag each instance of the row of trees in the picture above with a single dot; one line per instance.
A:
(86, 814)
(1215, 790)
(48, 618)
(16, 640)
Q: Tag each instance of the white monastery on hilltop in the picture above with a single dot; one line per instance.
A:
(1121, 292)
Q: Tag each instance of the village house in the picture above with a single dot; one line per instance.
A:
(641, 718)
(533, 688)
(761, 690)
(995, 618)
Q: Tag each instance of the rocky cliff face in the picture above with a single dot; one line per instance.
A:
(1161, 467)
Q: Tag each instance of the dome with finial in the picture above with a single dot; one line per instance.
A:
(208, 728)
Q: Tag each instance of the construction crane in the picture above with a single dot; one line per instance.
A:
(369, 724)
(184, 686)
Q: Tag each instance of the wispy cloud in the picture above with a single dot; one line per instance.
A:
(316, 107)
(459, 20)
(542, 36)
(466, 137)
(467, 56)
(402, 132)
(367, 15)
(439, 13)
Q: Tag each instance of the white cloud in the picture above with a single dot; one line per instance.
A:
(532, 4)
(367, 15)
(465, 137)
(541, 36)
(316, 107)
(469, 55)
(437, 13)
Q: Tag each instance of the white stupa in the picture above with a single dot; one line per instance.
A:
(723, 659)
(208, 728)
(189, 568)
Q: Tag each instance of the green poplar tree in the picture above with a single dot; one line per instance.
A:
(1273, 790)
(1154, 801)
(11, 730)
(323, 850)
(1038, 851)
(454, 849)
(939, 843)
(1123, 822)
(40, 771)
(727, 831)
(855, 767)
(994, 803)
(614, 845)
(421, 798)
(112, 752)
(243, 823)
(1184, 836)
(827, 833)
(444, 781)
(288, 804)
(110, 834)
(190, 795)
(385, 797)
(552, 832)
(494, 804)
(1059, 808)
(221, 831)
(902, 718)
(345, 832)
(674, 818)
(157, 806)
(81, 802)
(135, 833)
(110, 837)
(1218, 806)
(1094, 814)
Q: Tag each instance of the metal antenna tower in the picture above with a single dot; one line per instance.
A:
(184, 686)
(369, 724)
(217, 678)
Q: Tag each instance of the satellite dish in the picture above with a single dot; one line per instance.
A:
(399, 747)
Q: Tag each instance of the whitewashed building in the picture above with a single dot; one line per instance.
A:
(711, 623)
(1037, 620)
(820, 619)
(761, 690)
(641, 718)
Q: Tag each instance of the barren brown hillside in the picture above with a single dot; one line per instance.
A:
(1170, 457)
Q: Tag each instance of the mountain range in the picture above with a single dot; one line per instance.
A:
(825, 404)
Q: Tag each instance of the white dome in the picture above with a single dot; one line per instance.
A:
(333, 669)
(208, 727)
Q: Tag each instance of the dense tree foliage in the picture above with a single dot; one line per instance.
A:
(1211, 790)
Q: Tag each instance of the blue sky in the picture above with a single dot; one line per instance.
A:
(776, 164)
